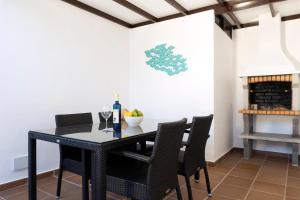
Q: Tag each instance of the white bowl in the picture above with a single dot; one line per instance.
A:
(133, 121)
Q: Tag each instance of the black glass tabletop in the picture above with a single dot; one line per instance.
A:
(97, 133)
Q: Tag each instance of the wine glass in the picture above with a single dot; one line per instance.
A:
(106, 113)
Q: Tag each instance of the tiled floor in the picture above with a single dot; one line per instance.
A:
(267, 176)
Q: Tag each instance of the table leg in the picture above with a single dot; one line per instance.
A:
(85, 178)
(31, 168)
(98, 177)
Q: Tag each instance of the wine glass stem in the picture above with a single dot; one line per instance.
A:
(106, 124)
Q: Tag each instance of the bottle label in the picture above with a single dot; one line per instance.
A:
(116, 119)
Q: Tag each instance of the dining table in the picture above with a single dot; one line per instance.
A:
(94, 138)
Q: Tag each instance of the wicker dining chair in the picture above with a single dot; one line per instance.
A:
(192, 159)
(143, 177)
(71, 158)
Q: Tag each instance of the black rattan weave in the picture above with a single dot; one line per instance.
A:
(99, 152)
(193, 158)
(148, 178)
(74, 159)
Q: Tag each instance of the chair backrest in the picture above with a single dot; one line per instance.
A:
(110, 119)
(162, 172)
(73, 119)
(194, 156)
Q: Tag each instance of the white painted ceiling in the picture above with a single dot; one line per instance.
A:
(159, 8)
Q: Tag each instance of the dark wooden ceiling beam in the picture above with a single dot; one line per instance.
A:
(233, 5)
(242, 5)
(230, 14)
(97, 12)
(291, 17)
(286, 18)
(234, 19)
(137, 10)
(178, 6)
(272, 10)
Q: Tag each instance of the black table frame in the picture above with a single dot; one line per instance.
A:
(98, 158)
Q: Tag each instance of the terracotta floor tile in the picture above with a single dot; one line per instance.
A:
(293, 182)
(293, 192)
(230, 191)
(289, 198)
(229, 162)
(230, 180)
(66, 174)
(46, 181)
(236, 154)
(75, 179)
(278, 158)
(220, 169)
(275, 165)
(268, 177)
(257, 195)
(248, 166)
(49, 198)
(197, 194)
(66, 189)
(218, 197)
(271, 170)
(215, 176)
(257, 161)
(237, 181)
(294, 172)
(243, 173)
(268, 188)
(202, 185)
(16, 190)
(24, 196)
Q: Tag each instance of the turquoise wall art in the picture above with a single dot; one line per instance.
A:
(162, 58)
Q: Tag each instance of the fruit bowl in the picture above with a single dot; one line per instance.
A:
(133, 121)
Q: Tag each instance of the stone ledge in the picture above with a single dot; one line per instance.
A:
(270, 112)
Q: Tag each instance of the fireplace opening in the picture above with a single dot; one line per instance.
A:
(272, 95)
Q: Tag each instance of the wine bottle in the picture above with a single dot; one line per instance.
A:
(117, 114)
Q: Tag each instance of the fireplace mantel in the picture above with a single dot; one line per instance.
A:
(271, 112)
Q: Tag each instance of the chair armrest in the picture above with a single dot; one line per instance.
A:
(135, 156)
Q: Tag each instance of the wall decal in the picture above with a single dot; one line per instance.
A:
(162, 58)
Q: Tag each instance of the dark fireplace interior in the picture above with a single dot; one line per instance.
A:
(271, 95)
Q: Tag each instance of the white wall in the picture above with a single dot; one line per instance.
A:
(183, 95)
(223, 92)
(246, 45)
(54, 58)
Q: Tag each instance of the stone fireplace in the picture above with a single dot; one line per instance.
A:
(276, 95)
(271, 87)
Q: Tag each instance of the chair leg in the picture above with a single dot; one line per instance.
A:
(59, 178)
(197, 176)
(178, 192)
(189, 188)
(207, 180)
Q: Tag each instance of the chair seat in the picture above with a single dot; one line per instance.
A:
(127, 177)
